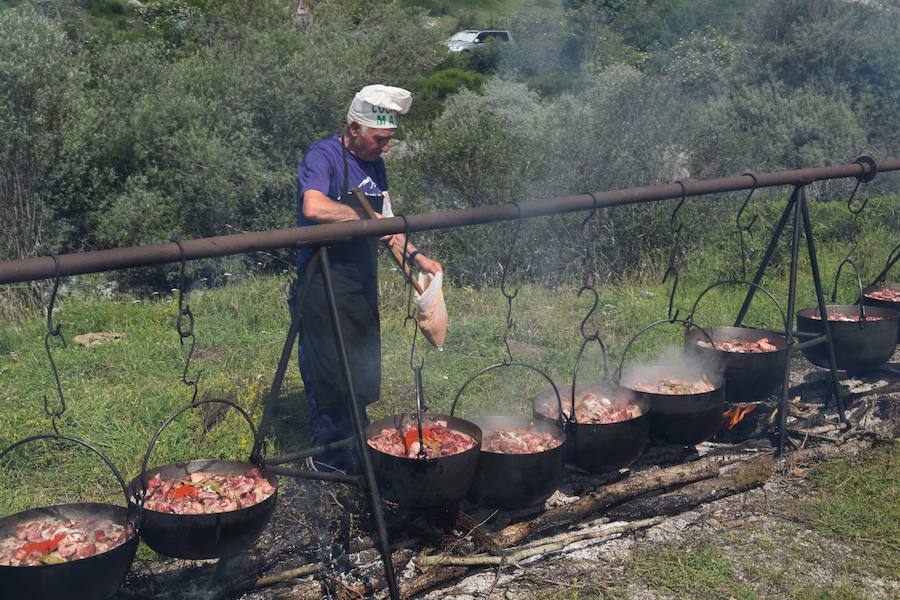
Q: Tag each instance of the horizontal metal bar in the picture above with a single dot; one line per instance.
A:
(356, 480)
(822, 339)
(242, 243)
(314, 451)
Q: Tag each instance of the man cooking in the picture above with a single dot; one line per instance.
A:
(330, 169)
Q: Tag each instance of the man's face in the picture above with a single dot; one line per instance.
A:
(369, 143)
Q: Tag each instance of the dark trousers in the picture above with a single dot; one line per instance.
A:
(320, 363)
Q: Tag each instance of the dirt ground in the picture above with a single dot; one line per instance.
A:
(758, 544)
(771, 552)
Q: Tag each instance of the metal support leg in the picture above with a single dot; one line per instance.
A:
(269, 405)
(792, 299)
(820, 297)
(374, 497)
(773, 243)
(320, 259)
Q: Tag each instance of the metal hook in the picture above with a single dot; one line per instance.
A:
(596, 334)
(674, 272)
(184, 310)
(508, 263)
(410, 311)
(54, 332)
(672, 227)
(510, 325)
(748, 228)
(587, 262)
(864, 177)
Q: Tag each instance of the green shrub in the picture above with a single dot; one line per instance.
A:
(431, 91)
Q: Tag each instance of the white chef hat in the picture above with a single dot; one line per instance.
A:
(377, 106)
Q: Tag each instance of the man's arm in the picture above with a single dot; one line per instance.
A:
(320, 208)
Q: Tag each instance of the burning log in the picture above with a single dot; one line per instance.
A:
(638, 484)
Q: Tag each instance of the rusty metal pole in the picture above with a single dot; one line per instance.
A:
(156, 254)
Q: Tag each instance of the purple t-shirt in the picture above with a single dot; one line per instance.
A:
(322, 169)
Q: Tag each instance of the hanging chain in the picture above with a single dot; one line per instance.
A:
(510, 324)
(588, 261)
(855, 212)
(748, 228)
(411, 313)
(588, 278)
(675, 227)
(54, 332)
(186, 331)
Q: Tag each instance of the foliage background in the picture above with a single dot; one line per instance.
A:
(127, 124)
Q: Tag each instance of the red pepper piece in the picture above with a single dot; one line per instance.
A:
(184, 490)
(412, 435)
(44, 547)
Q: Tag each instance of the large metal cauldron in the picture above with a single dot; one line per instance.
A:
(748, 375)
(858, 345)
(511, 481)
(93, 578)
(601, 447)
(419, 482)
(213, 535)
(516, 480)
(868, 301)
(685, 419)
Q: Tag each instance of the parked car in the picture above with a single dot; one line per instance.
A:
(470, 39)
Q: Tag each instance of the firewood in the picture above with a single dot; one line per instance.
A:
(637, 484)
(746, 476)
(819, 453)
(429, 579)
(546, 547)
(301, 571)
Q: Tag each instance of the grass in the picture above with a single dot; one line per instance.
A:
(118, 394)
(857, 501)
(700, 573)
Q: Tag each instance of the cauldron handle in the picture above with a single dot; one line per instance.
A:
(687, 324)
(172, 418)
(59, 436)
(849, 261)
(420, 408)
(594, 337)
(509, 364)
(784, 319)
(892, 259)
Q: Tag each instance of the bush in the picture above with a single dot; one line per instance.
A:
(431, 91)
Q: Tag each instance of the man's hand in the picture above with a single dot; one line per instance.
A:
(426, 265)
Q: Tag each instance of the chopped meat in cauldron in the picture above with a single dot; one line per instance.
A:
(518, 441)
(836, 315)
(672, 386)
(51, 542)
(885, 294)
(760, 345)
(439, 439)
(204, 493)
(594, 408)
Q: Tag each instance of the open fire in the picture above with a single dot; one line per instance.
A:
(735, 414)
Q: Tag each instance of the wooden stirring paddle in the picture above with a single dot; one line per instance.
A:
(398, 258)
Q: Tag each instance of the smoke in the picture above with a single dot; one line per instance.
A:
(673, 361)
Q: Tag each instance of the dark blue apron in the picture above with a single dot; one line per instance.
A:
(355, 277)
